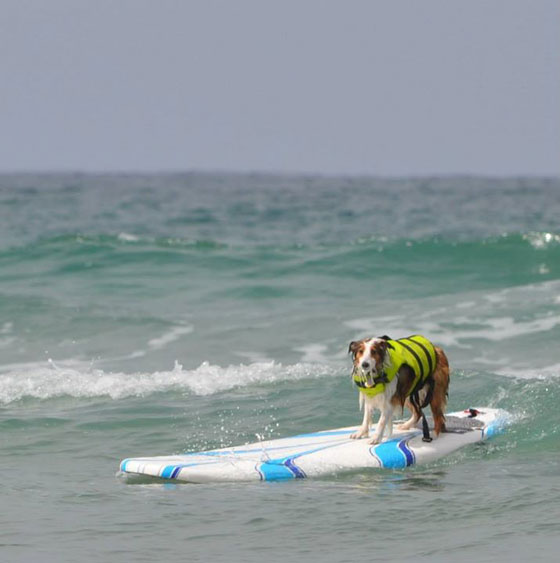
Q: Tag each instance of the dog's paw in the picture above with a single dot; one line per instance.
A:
(358, 435)
(404, 426)
(375, 440)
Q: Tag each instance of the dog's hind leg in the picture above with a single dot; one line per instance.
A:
(414, 418)
(439, 396)
(405, 379)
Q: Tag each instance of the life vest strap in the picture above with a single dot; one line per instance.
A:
(425, 429)
(428, 399)
(376, 381)
(415, 400)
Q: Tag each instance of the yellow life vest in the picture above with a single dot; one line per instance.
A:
(415, 351)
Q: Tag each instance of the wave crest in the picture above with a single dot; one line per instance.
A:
(52, 381)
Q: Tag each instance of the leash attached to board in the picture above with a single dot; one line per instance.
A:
(415, 400)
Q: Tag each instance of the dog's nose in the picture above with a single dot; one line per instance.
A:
(365, 365)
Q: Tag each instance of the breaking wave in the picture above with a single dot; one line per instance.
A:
(49, 380)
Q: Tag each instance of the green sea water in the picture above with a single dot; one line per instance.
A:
(166, 313)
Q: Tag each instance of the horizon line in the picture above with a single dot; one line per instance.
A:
(272, 173)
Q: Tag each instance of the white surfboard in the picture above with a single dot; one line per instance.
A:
(328, 452)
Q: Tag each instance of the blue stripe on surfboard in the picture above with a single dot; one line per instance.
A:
(280, 470)
(394, 454)
(270, 470)
(409, 454)
(171, 471)
(168, 470)
(275, 472)
(234, 451)
(326, 433)
(297, 471)
(285, 467)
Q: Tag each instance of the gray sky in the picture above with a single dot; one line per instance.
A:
(350, 87)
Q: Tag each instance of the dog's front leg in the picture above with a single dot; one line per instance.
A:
(385, 420)
(363, 430)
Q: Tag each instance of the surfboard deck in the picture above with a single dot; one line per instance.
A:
(328, 452)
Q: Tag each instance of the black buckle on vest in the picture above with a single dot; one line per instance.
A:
(380, 379)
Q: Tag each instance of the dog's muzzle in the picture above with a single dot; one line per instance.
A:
(367, 377)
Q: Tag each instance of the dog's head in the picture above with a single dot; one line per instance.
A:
(368, 356)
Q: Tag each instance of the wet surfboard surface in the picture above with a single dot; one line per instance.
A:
(323, 453)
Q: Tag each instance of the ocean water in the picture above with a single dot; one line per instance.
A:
(166, 313)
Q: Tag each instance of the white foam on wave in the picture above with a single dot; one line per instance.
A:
(50, 380)
(493, 329)
(170, 336)
(160, 342)
(541, 240)
(526, 372)
(313, 352)
(127, 237)
(253, 357)
(482, 316)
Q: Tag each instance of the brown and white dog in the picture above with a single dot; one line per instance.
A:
(371, 359)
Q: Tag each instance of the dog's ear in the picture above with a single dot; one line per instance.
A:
(381, 345)
(353, 347)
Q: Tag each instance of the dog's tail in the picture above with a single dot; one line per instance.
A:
(438, 401)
